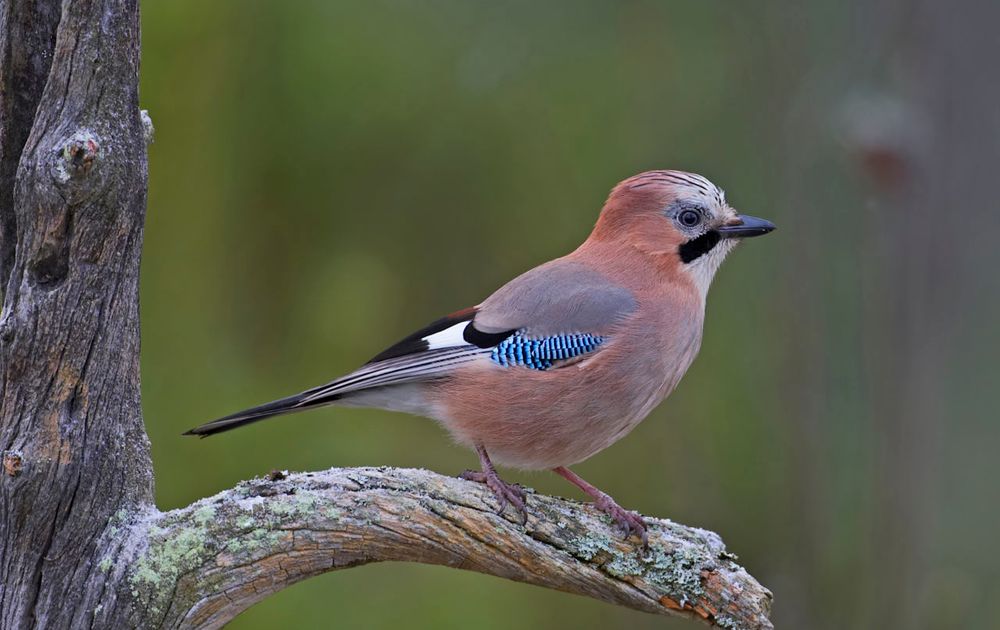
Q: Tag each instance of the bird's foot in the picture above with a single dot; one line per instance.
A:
(627, 521)
(506, 493)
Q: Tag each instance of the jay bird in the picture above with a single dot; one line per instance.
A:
(567, 358)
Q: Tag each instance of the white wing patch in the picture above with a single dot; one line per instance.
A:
(450, 337)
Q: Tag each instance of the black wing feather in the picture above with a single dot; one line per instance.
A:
(416, 342)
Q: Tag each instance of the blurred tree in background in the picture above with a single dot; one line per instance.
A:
(328, 176)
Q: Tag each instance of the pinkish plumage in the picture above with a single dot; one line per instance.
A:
(539, 419)
(567, 358)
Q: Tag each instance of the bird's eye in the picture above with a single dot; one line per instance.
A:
(689, 218)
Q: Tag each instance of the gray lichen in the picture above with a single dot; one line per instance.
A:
(147, 126)
(676, 573)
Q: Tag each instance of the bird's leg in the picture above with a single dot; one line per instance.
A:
(504, 492)
(629, 522)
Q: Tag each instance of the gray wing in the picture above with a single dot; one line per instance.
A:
(558, 311)
(559, 297)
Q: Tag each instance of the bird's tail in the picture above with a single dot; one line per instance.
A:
(376, 376)
(290, 404)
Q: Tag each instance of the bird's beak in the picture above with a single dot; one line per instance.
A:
(745, 226)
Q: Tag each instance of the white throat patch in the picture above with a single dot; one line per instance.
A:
(702, 269)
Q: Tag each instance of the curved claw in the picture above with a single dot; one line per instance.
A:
(505, 493)
(627, 521)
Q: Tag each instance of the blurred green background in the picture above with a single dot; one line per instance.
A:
(328, 176)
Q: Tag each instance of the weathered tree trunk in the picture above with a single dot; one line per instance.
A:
(81, 543)
(74, 449)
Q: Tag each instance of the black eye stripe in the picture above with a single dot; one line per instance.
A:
(698, 247)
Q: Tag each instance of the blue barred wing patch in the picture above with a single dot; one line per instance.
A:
(543, 352)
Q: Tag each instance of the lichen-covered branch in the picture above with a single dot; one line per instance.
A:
(200, 566)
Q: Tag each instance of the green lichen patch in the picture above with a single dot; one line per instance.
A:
(171, 553)
(292, 506)
(181, 541)
(117, 520)
(203, 514)
(245, 522)
(166, 558)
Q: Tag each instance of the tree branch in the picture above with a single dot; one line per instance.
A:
(204, 564)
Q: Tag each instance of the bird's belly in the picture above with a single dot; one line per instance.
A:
(535, 419)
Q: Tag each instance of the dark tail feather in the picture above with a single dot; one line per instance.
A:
(291, 404)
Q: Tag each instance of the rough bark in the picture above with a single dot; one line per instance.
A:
(81, 543)
(201, 565)
(74, 448)
(27, 37)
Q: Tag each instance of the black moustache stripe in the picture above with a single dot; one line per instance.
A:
(484, 340)
(698, 247)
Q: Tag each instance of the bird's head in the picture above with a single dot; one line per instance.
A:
(681, 218)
